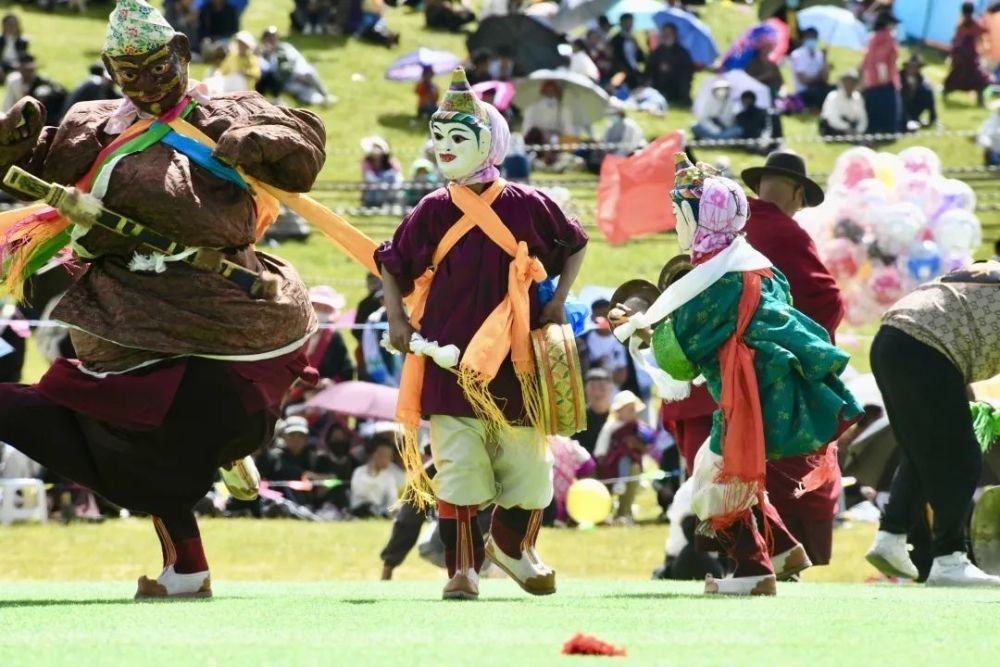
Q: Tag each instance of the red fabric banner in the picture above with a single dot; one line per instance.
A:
(633, 196)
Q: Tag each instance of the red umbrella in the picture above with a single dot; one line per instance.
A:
(365, 400)
(502, 91)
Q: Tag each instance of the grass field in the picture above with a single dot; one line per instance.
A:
(293, 593)
(375, 624)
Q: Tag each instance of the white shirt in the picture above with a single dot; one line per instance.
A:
(550, 115)
(581, 63)
(16, 89)
(716, 109)
(606, 352)
(806, 62)
(840, 111)
(380, 489)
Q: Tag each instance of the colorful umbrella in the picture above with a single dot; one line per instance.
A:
(692, 34)
(502, 92)
(411, 66)
(745, 48)
(836, 26)
(365, 400)
(642, 12)
(588, 101)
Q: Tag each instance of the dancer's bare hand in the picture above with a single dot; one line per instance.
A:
(554, 312)
(20, 128)
(400, 333)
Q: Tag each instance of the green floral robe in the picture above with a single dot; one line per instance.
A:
(803, 400)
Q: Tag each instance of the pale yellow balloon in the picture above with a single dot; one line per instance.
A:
(588, 501)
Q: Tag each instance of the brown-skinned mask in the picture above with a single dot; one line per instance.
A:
(155, 81)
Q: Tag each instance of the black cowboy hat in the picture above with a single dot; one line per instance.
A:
(885, 19)
(675, 268)
(791, 165)
(637, 288)
(915, 59)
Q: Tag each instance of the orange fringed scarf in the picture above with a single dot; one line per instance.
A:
(744, 458)
(506, 330)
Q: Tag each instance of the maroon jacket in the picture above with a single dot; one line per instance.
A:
(791, 249)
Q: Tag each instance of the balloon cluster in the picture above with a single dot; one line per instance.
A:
(889, 223)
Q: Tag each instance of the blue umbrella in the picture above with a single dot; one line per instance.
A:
(642, 12)
(692, 34)
(836, 26)
(411, 66)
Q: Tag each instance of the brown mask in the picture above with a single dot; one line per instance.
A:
(155, 81)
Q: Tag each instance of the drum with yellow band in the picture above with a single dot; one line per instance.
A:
(564, 409)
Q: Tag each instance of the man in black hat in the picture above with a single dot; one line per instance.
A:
(783, 188)
(916, 95)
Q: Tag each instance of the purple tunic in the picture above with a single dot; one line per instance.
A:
(472, 280)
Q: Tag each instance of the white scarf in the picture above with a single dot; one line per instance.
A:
(127, 112)
(739, 256)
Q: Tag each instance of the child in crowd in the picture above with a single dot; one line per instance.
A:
(620, 447)
(428, 94)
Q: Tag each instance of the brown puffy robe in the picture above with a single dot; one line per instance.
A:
(123, 318)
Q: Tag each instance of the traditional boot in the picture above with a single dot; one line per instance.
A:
(745, 546)
(463, 550)
(788, 556)
(185, 571)
(512, 549)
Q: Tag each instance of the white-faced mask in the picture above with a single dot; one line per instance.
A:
(457, 149)
(686, 224)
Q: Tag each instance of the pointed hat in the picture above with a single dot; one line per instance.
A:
(135, 27)
(461, 103)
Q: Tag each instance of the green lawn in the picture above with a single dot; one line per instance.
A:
(368, 624)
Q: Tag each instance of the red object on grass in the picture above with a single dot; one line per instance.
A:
(582, 644)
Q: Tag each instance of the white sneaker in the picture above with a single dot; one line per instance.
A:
(463, 586)
(890, 557)
(957, 570)
(171, 584)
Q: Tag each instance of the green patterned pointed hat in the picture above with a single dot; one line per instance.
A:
(135, 27)
(461, 104)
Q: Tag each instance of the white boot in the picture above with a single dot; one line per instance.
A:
(957, 570)
(764, 584)
(463, 586)
(530, 573)
(171, 584)
(790, 563)
(890, 557)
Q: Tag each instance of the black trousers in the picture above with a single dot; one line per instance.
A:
(927, 405)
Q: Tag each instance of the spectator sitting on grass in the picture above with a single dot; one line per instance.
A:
(285, 70)
(752, 120)
(379, 168)
(715, 118)
(372, 26)
(13, 45)
(502, 67)
(183, 16)
(621, 445)
(916, 95)
(448, 15)
(312, 17)
(218, 21)
(423, 179)
(844, 109)
(375, 486)
(27, 81)
(670, 68)
(292, 459)
(811, 70)
(598, 389)
(427, 93)
(240, 69)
